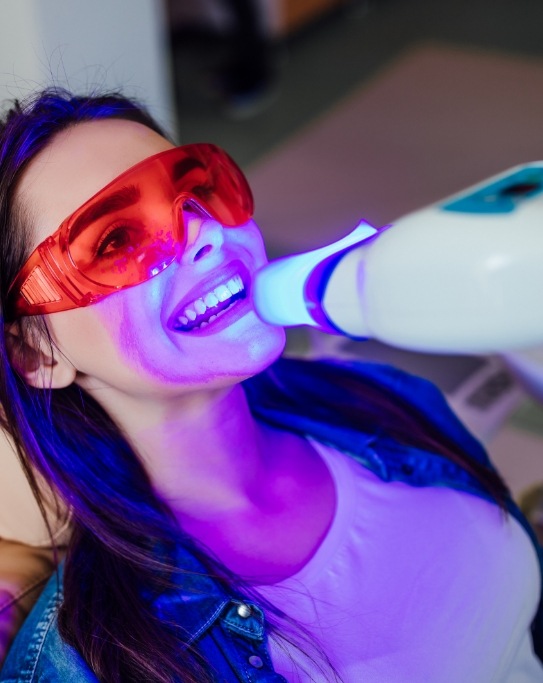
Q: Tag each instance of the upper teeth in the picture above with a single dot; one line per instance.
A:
(211, 299)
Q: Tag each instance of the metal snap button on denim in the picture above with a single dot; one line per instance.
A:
(244, 610)
(256, 661)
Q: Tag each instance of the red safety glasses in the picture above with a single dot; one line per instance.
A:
(131, 230)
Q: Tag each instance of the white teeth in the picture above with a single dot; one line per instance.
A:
(222, 292)
(211, 300)
(199, 306)
(235, 285)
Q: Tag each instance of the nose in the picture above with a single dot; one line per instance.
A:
(204, 235)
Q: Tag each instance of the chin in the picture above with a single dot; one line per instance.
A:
(265, 348)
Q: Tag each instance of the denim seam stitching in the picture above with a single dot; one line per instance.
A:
(207, 623)
(50, 614)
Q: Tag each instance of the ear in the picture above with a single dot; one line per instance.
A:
(37, 363)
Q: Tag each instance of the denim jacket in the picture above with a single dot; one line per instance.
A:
(231, 634)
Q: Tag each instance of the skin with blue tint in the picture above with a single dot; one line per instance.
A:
(176, 393)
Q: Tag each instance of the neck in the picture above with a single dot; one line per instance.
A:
(257, 498)
(204, 452)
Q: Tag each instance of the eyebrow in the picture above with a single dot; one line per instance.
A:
(123, 198)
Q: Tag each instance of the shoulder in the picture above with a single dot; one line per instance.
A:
(343, 382)
(39, 654)
(325, 374)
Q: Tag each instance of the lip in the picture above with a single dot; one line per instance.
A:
(218, 277)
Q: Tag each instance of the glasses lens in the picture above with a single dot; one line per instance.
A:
(128, 232)
(210, 176)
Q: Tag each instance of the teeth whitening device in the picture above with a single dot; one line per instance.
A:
(464, 275)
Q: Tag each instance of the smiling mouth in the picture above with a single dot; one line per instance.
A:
(205, 310)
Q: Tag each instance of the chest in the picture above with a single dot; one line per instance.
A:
(276, 535)
(433, 582)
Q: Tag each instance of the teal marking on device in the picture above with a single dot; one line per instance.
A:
(501, 196)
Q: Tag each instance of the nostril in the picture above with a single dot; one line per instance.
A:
(202, 252)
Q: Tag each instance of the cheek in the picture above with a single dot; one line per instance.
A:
(113, 343)
(130, 326)
(250, 239)
(266, 347)
(83, 338)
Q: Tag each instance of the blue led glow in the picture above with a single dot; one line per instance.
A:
(280, 290)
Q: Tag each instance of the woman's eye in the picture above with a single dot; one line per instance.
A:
(203, 191)
(120, 237)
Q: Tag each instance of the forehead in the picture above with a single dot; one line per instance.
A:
(78, 163)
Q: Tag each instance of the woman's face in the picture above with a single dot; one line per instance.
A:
(134, 341)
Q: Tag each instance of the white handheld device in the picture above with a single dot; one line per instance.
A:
(464, 275)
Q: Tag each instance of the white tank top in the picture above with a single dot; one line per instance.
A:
(412, 585)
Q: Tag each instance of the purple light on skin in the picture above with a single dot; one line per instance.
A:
(288, 291)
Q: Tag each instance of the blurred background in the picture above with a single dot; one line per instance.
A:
(337, 110)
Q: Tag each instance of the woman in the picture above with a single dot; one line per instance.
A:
(235, 517)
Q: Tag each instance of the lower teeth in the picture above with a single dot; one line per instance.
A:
(204, 323)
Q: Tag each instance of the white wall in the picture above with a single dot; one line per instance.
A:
(87, 45)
